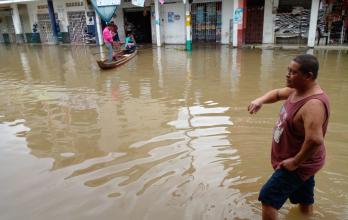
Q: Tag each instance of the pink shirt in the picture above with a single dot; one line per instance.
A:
(107, 35)
(287, 142)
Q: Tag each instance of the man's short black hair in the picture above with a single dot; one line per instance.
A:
(308, 63)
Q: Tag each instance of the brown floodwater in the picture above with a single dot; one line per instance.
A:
(166, 136)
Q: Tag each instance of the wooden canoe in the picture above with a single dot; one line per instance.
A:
(122, 58)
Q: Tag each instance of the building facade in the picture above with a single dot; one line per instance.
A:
(235, 22)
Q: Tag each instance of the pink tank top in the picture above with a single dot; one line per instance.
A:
(287, 142)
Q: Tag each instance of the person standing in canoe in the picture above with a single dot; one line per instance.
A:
(108, 40)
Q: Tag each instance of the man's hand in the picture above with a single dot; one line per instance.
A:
(289, 164)
(254, 106)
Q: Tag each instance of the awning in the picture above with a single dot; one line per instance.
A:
(105, 12)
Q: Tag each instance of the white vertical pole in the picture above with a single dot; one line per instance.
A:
(17, 24)
(235, 26)
(157, 23)
(188, 26)
(313, 23)
(99, 29)
(268, 23)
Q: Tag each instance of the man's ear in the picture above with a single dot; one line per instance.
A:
(310, 75)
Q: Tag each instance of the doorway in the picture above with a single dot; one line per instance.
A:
(139, 23)
(206, 22)
(254, 23)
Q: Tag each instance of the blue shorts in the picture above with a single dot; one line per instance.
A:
(284, 184)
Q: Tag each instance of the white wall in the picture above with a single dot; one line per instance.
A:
(174, 30)
(23, 12)
(60, 9)
(153, 25)
(227, 15)
(268, 23)
(119, 21)
(32, 14)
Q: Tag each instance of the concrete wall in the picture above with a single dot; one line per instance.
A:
(119, 21)
(227, 16)
(23, 13)
(32, 7)
(174, 23)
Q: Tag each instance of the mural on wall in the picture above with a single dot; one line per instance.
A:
(238, 16)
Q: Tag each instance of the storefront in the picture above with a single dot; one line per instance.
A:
(206, 22)
(254, 21)
(138, 21)
(332, 22)
(292, 22)
(7, 31)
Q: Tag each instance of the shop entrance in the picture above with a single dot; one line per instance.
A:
(254, 22)
(77, 26)
(45, 28)
(332, 22)
(206, 22)
(292, 22)
(7, 31)
(139, 23)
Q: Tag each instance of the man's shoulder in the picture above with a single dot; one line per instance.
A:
(313, 107)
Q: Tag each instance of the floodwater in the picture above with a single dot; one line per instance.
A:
(166, 136)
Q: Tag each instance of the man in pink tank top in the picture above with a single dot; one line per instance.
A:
(298, 149)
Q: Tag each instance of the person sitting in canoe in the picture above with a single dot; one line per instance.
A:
(108, 40)
(130, 43)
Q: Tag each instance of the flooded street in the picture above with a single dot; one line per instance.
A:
(165, 136)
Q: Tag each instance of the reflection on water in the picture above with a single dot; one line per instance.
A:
(165, 136)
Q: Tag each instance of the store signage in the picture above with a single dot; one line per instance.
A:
(139, 3)
(108, 2)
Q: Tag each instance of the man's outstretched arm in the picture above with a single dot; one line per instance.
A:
(270, 97)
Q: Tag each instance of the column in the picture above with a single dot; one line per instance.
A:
(239, 19)
(313, 23)
(17, 24)
(227, 22)
(99, 38)
(188, 26)
(157, 23)
(268, 23)
(53, 21)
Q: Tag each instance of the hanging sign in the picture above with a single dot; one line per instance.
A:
(139, 3)
(108, 2)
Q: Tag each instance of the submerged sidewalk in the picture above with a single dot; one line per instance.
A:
(294, 47)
